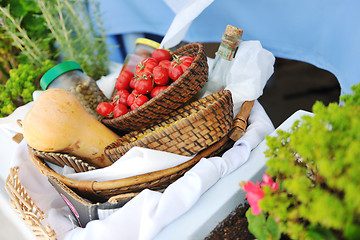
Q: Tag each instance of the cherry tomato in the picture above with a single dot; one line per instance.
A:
(132, 83)
(123, 80)
(146, 65)
(121, 96)
(126, 74)
(131, 98)
(165, 64)
(161, 54)
(186, 59)
(144, 85)
(157, 90)
(140, 100)
(120, 109)
(186, 62)
(105, 109)
(122, 83)
(175, 70)
(160, 76)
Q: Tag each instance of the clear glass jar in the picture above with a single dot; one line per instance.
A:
(143, 49)
(70, 76)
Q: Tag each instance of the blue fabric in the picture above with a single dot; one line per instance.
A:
(325, 33)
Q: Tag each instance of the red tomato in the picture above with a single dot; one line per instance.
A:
(131, 98)
(120, 109)
(122, 83)
(186, 59)
(175, 70)
(157, 90)
(105, 109)
(165, 64)
(161, 54)
(144, 85)
(121, 96)
(126, 74)
(132, 83)
(160, 76)
(140, 100)
(123, 80)
(186, 62)
(146, 65)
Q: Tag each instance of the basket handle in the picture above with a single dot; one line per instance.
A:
(240, 121)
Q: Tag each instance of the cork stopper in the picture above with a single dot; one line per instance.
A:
(233, 31)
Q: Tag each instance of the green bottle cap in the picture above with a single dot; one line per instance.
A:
(56, 71)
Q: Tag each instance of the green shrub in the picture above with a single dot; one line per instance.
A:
(37, 34)
(317, 166)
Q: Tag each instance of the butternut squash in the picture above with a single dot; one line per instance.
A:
(57, 122)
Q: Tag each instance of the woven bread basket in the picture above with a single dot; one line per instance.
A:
(102, 191)
(179, 92)
(186, 131)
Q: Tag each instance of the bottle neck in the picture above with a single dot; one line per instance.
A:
(228, 47)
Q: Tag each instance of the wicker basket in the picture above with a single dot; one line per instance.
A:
(101, 191)
(33, 216)
(179, 92)
(186, 131)
(26, 208)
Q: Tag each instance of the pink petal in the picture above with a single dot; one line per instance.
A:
(267, 180)
(255, 209)
(275, 186)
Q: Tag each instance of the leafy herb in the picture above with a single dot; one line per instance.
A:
(36, 33)
(18, 90)
(317, 166)
(75, 32)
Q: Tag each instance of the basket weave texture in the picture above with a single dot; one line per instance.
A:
(186, 131)
(101, 191)
(26, 208)
(63, 159)
(174, 96)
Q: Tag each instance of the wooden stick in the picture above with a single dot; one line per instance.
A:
(240, 121)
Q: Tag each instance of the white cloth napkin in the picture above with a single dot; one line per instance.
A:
(189, 10)
(253, 66)
(136, 161)
(147, 214)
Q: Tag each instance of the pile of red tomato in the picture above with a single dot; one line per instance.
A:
(152, 76)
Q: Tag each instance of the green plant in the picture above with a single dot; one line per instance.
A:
(36, 34)
(23, 81)
(316, 164)
(23, 38)
(78, 37)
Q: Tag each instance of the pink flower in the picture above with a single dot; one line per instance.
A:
(254, 193)
(267, 180)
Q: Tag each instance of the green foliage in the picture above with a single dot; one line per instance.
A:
(316, 163)
(22, 83)
(79, 38)
(23, 27)
(264, 228)
(29, 32)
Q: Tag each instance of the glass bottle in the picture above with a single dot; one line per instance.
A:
(223, 61)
